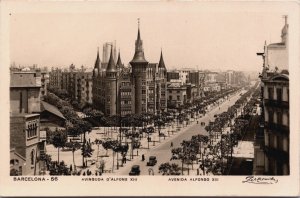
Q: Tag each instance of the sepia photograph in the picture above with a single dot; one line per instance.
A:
(132, 94)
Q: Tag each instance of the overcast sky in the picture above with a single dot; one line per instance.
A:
(188, 38)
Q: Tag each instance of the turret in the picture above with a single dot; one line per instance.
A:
(161, 66)
(139, 56)
(119, 62)
(111, 67)
(96, 70)
(139, 65)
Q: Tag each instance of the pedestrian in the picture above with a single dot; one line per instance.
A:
(171, 144)
(143, 157)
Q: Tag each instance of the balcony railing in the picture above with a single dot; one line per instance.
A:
(277, 127)
(277, 153)
(277, 103)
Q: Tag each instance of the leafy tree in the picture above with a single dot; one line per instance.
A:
(169, 169)
(86, 151)
(56, 168)
(59, 140)
(106, 145)
(74, 146)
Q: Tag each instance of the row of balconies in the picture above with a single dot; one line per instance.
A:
(276, 153)
(277, 127)
(276, 103)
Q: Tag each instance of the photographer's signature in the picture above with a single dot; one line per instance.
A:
(260, 180)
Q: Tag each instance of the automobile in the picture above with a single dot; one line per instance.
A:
(135, 170)
(152, 161)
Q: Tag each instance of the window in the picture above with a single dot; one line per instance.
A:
(32, 130)
(32, 157)
(271, 143)
(143, 91)
(271, 116)
(279, 143)
(178, 97)
(170, 97)
(279, 94)
(21, 102)
(279, 117)
(178, 91)
(270, 93)
(20, 170)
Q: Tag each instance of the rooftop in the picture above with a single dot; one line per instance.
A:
(52, 109)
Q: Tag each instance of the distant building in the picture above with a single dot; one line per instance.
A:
(182, 75)
(55, 78)
(191, 93)
(126, 90)
(173, 75)
(229, 77)
(44, 83)
(77, 82)
(213, 86)
(84, 86)
(197, 78)
(177, 94)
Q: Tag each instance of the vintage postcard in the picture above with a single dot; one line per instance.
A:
(150, 98)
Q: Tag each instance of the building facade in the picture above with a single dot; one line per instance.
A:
(272, 147)
(55, 78)
(276, 114)
(139, 88)
(25, 144)
(177, 94)
(197, 78)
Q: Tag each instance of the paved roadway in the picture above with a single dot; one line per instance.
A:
(163, 151)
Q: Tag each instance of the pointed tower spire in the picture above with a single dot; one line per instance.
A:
(111, 67)
(139, 35)
(97, 63)
(119, 61)
(161, 63)
(139, 56)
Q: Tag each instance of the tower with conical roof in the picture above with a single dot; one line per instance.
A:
(162, 85)
(111, 82)
(139, 66)
(161, 66)
(119, 62)
(96, 69)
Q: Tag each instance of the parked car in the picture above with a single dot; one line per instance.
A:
(152, 161)
(135, 170)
